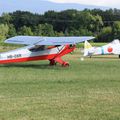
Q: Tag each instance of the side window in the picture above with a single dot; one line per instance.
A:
(37, 48)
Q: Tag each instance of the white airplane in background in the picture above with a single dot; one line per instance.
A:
(41, 48)
(111, 48)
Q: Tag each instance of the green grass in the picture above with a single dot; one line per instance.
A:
(87, 90)
(92, 43)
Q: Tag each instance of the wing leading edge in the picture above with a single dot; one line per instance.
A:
(36, 40)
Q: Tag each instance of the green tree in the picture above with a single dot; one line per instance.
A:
(80, 32)
(98, 24)
(105, 35)
(12, 31)
(24, 18)
(44, 30)
(95, 22)
(116, 30)
(3, 31)
(59, 33)
(6, 18)
(25, 31)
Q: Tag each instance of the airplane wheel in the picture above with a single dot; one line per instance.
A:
(65, 64)
(52, 62)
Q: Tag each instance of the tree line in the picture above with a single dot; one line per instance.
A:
(103, 24)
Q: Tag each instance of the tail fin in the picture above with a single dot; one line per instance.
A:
(87, 46)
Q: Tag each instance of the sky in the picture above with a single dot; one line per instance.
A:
(107, 3)
(41, 6)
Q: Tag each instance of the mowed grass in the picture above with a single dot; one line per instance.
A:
(87, 90)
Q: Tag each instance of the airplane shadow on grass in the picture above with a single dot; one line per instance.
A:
(34, 66)
(105, 57)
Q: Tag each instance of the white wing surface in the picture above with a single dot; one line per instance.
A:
(36, 40)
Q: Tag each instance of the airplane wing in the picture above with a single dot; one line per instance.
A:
(36, 40)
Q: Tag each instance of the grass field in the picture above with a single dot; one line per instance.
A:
(87, 90)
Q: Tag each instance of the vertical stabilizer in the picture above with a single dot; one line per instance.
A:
(87, 47)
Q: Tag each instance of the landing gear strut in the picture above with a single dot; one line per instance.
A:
(59, 60)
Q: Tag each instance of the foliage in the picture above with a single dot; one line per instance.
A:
(3, 31)
(116, 28)
(12, 31)
(6, 18)
(104, 25)
(44, 30)
(105, 34)
(25, 31)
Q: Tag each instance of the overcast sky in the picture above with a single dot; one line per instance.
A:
(107, 3)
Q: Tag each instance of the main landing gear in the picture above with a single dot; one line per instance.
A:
(59, 60)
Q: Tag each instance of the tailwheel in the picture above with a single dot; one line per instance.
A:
(65, 64)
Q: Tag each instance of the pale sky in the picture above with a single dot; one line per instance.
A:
(41, 6)
(107, 3)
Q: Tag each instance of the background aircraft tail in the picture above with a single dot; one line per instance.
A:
(87, 48)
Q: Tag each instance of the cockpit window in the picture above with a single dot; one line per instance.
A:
(37, 48)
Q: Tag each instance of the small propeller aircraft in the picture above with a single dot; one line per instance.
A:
(111, 48)
(41, 48)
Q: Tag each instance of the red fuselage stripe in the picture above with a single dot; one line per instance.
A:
(44, 57)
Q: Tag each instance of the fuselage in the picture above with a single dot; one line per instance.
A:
(30, 53)
(107, 49)
(111, 48)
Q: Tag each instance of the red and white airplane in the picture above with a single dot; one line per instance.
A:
(41, 48)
